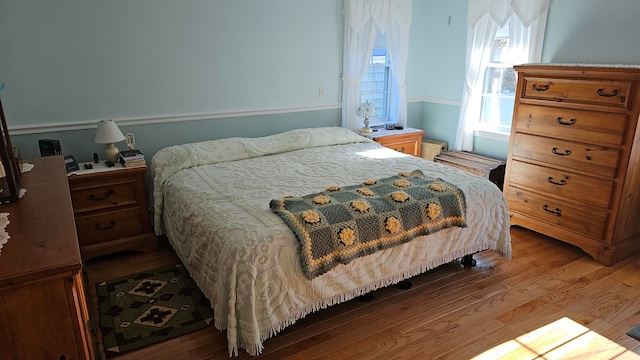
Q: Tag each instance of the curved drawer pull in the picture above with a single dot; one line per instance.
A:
(401, 149)
(601, 93)
(540, 88)
(555, 212)
(566, 123)
(559, 183)
(111, 225)
(107, 194)
(565, 153)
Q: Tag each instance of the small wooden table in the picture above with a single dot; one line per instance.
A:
(408, 140)
(111, 211)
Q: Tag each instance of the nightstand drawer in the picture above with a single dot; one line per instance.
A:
(406, 147)
(93, 229)
(110, 207)
(103, 196)
(408, 142)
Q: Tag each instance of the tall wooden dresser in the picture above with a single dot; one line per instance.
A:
(43, 310)
(573, 169)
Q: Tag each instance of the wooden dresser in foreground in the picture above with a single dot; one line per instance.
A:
(408, 141)
(43, 312)
(111, 211)
(573, 169)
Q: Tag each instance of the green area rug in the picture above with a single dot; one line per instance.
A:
(150, 307)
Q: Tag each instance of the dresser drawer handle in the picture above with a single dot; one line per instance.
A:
(559, 183)
(539, 88)
(107, 194)
(555, 212)
(611, 94)
(401, 149)
(565, 153)
(566, 123)
(111, 225)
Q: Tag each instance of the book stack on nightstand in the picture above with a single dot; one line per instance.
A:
(131, 158)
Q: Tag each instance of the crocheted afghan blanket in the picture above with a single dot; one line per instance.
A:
(340, 224)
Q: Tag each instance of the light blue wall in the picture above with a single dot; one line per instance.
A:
(243, 67)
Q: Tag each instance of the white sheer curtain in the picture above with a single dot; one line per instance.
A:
(527, 22)
(363, 20)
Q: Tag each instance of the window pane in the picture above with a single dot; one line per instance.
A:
(375, 85)
(379, 56)
(500, 46)
(498, 96)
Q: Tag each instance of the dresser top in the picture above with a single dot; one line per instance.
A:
(569, 68)
(43, 240)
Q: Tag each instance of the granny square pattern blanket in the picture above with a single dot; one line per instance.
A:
(340, 224)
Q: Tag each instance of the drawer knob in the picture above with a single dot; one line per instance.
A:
(565, 153)
(107, 194)
(111, 225)
(555, 212)
(539, 88)
(565, 123)
(601, 92)
(559, 183)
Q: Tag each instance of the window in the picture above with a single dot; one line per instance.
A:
(499, 85)
(506, 33)
(376, 85)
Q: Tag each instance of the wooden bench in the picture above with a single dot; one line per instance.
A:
(488, 168)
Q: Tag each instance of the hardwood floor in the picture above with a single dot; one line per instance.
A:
(578, 307)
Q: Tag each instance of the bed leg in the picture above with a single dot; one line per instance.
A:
(468, 260)
(404, 284)
(366, 297)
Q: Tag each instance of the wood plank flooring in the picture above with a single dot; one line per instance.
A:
(550, 301)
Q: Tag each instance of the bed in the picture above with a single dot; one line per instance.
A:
(212, 200)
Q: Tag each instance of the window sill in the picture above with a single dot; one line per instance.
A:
(493, 135)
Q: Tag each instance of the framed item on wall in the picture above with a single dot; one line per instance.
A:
(9, 167)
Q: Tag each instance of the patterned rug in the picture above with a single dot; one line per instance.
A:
(150, 307)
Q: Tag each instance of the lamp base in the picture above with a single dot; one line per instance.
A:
(366, 128)
(111, 153)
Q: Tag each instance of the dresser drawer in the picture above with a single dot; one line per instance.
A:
(578, 125)
(108, 225)
(407, 147)
(600, 160)
(557, 213)
(104, 196)
(561, 183)
(601, 92)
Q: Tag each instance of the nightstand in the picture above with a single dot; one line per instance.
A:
(408, 140)
(110, 210)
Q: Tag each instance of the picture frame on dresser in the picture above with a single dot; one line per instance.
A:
(9, 170)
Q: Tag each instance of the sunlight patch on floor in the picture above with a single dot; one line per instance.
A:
(561, 339)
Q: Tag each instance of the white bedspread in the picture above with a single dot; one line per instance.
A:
(212, 200)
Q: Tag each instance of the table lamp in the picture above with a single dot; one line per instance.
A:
(366, 109)
(108, 133)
